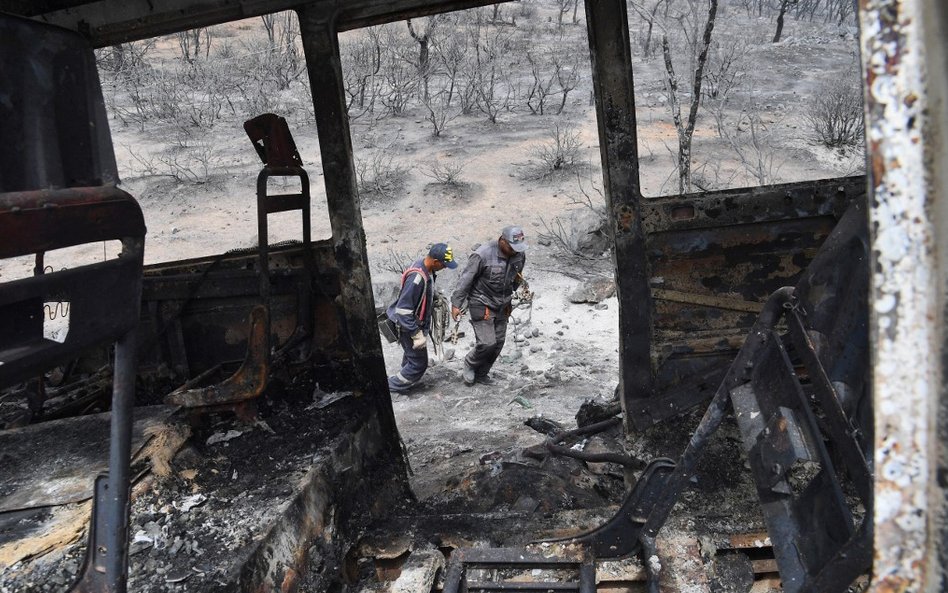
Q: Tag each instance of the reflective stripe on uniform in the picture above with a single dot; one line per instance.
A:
(401, 311)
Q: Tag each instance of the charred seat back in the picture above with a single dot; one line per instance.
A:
(57, 176)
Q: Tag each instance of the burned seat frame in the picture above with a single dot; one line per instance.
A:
(802, 447)
(105, 301)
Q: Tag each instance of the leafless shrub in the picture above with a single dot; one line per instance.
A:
(755, 146)
(554, 70)
(126, 79)
(566, 68)
(452, 56)
(192, 42)
(561, 151)
(142, 165)
(722, 76)
(648, 11)
(840, 11)
(469, 77)
(399, 72)
(276, 63)
(379, 174)
(439, 110)
(394, 261)
(285, 59)
(361, 63)
(528, 9)
(563, 7)
(711, 174)
(195, 163)
(270, 26)
(254, 88)
(835, 113)
(562, 236)
(493, 88)
(125, 58)
(541, 85)
(573, 237)
(445, 173)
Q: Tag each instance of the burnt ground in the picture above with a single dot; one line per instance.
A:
(480, 474)
(191, 529)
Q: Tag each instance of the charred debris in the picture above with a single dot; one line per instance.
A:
(773, 478)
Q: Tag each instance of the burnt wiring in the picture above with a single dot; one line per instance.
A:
(555, 446)
(55, 310)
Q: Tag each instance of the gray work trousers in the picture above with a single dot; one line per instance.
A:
(490, 335)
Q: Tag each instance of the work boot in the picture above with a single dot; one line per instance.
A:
(468, 374)
(485, 380)
(398, 385)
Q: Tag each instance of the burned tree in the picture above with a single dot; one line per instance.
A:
(686, 128)
(784, 5)
(492, 90)
(649, 16)
(190, 43)
(362, 60)
(424, 39)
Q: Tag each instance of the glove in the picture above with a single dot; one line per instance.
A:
(418, 340)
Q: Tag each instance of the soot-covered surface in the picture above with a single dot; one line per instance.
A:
(194, 529)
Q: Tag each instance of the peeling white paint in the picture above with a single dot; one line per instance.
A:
(887, 505)
(885, 303)
(905, 300)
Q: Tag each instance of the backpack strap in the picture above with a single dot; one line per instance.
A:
(423, 304)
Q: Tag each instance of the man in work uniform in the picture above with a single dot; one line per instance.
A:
(411, 313)
(493, 273)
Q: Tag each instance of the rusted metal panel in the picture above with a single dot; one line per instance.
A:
(608, 27)
(247, 383)
(53, 219)
(210, 298)
(715, 257)
(789, 201)
(904, 63)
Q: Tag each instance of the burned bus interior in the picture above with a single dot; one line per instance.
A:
(317, 497)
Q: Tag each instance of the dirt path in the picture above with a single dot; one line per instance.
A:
(448, 426)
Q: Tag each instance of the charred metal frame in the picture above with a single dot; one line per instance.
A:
(802, 448)
(905, 64)
(719, 255)
(905, 61)
(247, 383)
(455, 578)
(611, 56)
(105, 298)
(274, 143)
